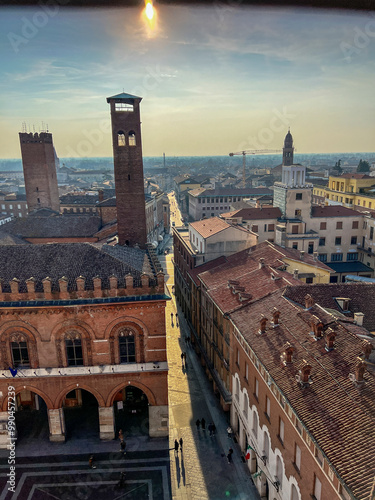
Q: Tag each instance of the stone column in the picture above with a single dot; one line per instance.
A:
(56, 421)
(106, 422)
(158, 421)
(4, 429)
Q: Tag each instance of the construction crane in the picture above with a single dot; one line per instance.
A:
(252, 152)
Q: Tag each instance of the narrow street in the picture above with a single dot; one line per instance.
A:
(201, 471)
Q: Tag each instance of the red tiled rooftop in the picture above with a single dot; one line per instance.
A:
(333, 211)
(337, 414)
(209, 227)
(255, 213)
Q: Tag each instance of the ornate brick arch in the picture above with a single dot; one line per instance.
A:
(44, 396)
(61, 396)
(72, 330)
(150, 395)
(18, 331)
(122, 328)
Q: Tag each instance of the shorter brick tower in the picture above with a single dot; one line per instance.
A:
(39, 170)
(128, 164)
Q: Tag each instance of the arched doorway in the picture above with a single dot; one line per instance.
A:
(81, 414)
(31, 416)
(131, 411)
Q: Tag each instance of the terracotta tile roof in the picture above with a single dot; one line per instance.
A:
(255, 213)
(241, 289)
(362, 297)
(193, 273)
(338, 414)
(209, 227)
(333, 211)
(70, 260)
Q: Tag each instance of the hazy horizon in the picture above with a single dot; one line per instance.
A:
(214, 80)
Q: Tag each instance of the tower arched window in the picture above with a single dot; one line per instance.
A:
(126, 340)
(121, 138)
(132, 141)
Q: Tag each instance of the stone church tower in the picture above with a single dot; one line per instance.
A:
(288, 150)
(128, 164)
(39, 170)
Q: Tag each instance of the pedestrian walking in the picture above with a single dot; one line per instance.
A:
(122, 480)
(123, 447)
(176, 445)
(177, 320)
(213, 429)
(210, 428)
(172, 320)
(203, 423)
(229, 456)
(121, 435)
(198, 424)
(91, 462)
(182, 358)
(181, 443)
(229, 431)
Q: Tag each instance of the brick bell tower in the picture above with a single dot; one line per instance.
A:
(39, 170)
(128, 163)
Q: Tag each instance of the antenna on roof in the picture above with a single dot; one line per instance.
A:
(46, 127)
(34, 128)
(24, 130)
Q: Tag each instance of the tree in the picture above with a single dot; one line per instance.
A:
(363, 166)
(338, 167)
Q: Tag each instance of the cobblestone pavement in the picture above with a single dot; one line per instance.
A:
(201, 471)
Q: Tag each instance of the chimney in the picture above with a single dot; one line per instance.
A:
(359, 370)
(309, 301)
(302, 254)
(113, 285)
(358, 318)
(366, 349)
(295, 274)
(101, 195)
(261, 263)
(263, 324)
(330, 340)
(315, 255)
(275, 317)
(305, 373)
(288, 353)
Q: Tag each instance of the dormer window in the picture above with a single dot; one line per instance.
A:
(343, 303)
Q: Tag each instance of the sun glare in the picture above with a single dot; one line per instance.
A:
(149, 10)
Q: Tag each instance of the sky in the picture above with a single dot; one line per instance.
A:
(214, 79)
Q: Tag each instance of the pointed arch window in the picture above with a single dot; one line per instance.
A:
(126, 340)
(132, 141)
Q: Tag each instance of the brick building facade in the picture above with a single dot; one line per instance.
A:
(76, 320)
